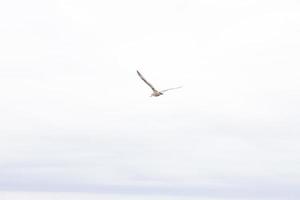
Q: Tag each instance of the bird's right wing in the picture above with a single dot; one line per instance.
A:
(142, 77)
(170, 89)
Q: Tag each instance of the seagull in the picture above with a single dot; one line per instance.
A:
(155, 93)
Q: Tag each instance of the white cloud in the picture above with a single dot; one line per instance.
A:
(73, 107)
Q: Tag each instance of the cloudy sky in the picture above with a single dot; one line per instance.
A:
(75, 117)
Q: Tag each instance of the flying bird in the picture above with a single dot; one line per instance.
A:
(155, 93)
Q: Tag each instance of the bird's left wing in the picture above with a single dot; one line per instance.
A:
(142, 77)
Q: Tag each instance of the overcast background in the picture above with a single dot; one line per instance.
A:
(75, 117)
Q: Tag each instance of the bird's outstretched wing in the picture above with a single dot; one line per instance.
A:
(141, 76)
(162, 91)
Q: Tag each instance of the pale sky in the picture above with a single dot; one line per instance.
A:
(76, 117)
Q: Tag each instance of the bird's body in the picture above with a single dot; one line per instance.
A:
(155, 92)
